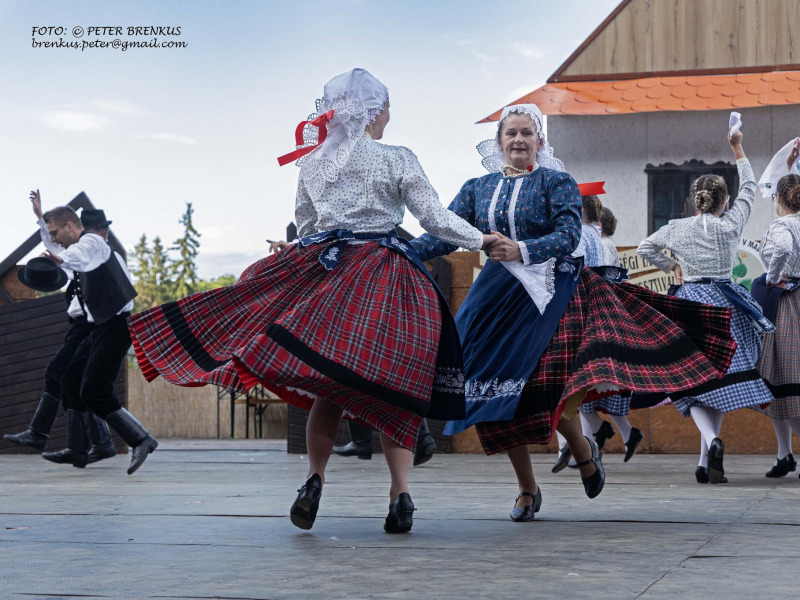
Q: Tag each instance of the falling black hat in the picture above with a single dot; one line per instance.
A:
(42, 275)
(94, 218)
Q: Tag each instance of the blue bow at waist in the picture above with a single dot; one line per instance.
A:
(741, 299)
(768, 296)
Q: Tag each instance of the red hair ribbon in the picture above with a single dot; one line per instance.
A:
(319, 123)
(591, 189)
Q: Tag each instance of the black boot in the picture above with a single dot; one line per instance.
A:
(77, 451)
(102, 444)
(39, 430)
(426, 445)
(136, 436)
(361, 444)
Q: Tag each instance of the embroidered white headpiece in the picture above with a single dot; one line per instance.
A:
(768, 184)
(493, 157)
(357, 98)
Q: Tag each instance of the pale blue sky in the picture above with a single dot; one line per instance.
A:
(144, 131)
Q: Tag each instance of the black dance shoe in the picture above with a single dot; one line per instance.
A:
(304, 510)
(784, 467)
(634, 439)
(606, 432)
(564, 454)
(363, 451)
(426, 446)
(701, 474)
(595, 482)
(716, 451)
(527, 513)
(401, 513)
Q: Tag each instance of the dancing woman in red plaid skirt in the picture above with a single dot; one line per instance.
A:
(347, 319)
(540, 333)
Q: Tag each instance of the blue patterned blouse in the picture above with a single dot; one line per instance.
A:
(540, 211)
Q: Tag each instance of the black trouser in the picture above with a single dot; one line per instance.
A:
(78, 331)
(89, 379)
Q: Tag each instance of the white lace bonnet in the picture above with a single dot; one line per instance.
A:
(493, 157)
(356, 99)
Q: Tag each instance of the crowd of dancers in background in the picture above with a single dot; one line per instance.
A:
(347, 321)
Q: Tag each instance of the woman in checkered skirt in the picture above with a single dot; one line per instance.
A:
(705, 248)
(540, 333)
(347, 319)
(776, 290)
(616, 406)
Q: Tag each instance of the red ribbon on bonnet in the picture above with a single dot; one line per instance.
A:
(591, 189)
(319, 123)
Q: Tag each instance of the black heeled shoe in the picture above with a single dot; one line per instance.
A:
(634, 439)
(304, 510)
(426, 446)
(401, 515)
(701, 474)
(357, 449)
(593, 484)
(783, 467)
(716, 452)
(606, 432)
(527, 513)
(564, 454)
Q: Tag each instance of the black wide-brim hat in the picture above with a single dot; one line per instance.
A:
(42, 275)
(94, 218)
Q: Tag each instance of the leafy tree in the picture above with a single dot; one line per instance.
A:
(204, 285)
(184, 270)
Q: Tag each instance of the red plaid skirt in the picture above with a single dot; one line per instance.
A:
(622, 335)
(372, 325)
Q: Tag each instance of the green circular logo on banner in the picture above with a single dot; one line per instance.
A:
(748, 265)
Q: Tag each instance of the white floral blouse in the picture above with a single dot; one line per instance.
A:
(780, 248)
(370, 195)
(705, 245)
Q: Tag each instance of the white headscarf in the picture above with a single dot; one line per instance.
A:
(357, 98)
(493, 157)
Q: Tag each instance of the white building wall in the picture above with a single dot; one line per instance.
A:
(617, 148)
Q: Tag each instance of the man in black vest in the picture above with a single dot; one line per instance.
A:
(38, 431)
(104, 289)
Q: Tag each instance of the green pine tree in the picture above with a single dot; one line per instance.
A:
(140, 267)
(160, 281)
(184, 270)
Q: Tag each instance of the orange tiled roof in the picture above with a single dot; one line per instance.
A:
(651, 94)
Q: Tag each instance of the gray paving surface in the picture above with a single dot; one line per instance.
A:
(208, 519)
